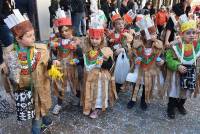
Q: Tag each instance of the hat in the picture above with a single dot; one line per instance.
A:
(186, 24)
(18, 23)
(96, 28)
(146, 25)
(115, 15)
(63, 18)
(99, 14)
(129, 16)
(163, 7)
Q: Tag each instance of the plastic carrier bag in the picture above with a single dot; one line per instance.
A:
(122, 68)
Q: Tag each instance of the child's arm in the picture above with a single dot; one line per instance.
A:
(171, 62)
(79, 53)
(107, 64)
(54, 41)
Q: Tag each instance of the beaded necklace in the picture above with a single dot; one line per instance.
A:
(28, 58)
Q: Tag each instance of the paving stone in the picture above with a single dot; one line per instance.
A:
(116, 120)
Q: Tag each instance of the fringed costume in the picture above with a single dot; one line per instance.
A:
(68, 52)
(99, 85)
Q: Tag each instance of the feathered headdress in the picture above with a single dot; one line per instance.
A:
(18, 23)
(129, 16)
(115, 15)
(186, 24)
(146, 25)
(96, 28)
(63, 18)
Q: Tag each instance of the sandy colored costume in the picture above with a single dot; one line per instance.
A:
(41, 83)
(147, 70)
(97, 78)
(66, 54)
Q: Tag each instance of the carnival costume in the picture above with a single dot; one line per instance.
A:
(99, 86)
(69, 54)
(181, 86)
(146, 70)
(120, 40)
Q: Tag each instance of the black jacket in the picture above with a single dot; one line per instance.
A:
(25, 6)
(64, 4)
(105, 7)
(77, 6)
(5, 10)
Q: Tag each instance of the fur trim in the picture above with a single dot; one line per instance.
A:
(137, 43)
(158, 44)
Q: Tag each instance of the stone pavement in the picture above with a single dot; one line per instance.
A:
(118, 120)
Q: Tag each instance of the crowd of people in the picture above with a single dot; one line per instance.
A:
(96, 53)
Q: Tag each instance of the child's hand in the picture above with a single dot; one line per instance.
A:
(3, 68)
(167, 44)
(120, 50)
(182, 69)
(56, 63)
(160, 62)
(154, 38)
(138, 60)
(111, 40)
(128, 36)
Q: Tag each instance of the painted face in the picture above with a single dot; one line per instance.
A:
(119, 25)
(95, 41)
(66, 32)
(189, 35)
(27, 39)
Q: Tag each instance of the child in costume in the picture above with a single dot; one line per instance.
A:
(147, 72)
(119, 41)
(181, 60)
(26, 73)
(68, 56)
(99, 87)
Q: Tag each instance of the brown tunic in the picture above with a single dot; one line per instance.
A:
(41, 83)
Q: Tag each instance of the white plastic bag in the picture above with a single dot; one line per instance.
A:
(132, 77)
(122, 68)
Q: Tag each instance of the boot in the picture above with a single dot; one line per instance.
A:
(118, 87)
(180, 106)
(143, 104)
(171, 107)
(131, 103)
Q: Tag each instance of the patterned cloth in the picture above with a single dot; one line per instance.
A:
(24, 104)
(188, 79)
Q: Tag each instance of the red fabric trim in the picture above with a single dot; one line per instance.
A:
(63, 22)
(96, 33)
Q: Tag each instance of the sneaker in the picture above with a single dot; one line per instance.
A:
(56, 109)
(45, 127)
(182, 110)
(95, 114)
(143, 106)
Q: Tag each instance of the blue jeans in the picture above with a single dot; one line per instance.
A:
(6, 38)
(76, 21)
(82, 26)
(36, 126)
